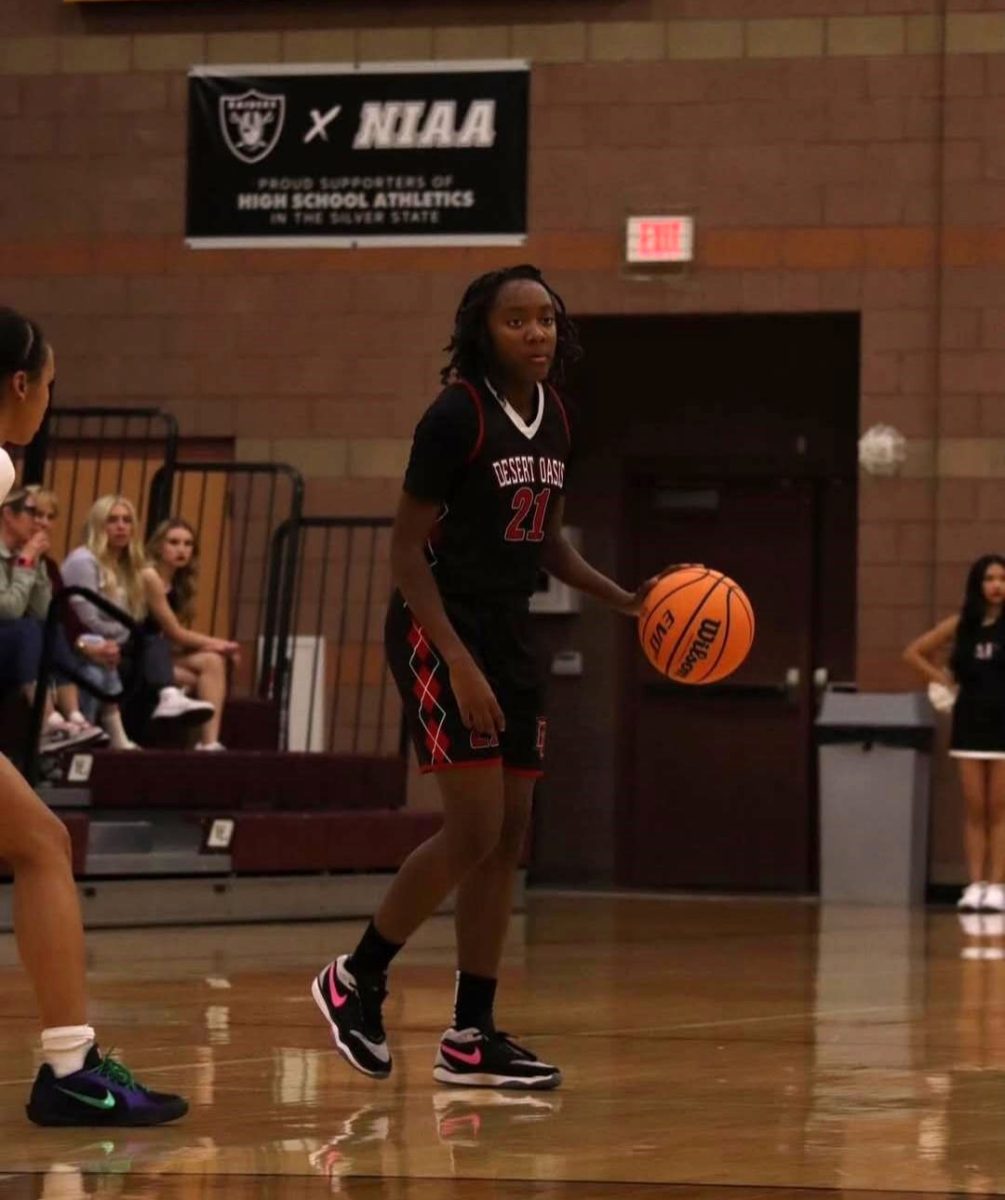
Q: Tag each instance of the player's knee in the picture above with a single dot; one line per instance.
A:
(42, 842)
(56, 838)
(474, 840)
(513, 835)
(480, 842)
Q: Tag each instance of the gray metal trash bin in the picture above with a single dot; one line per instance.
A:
(875, 771)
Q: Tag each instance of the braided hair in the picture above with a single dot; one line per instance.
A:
(470, 347)
(22, 345)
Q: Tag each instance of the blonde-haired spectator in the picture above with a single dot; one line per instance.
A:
(110, 562)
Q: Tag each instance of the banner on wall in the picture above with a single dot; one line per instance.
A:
(388, 154)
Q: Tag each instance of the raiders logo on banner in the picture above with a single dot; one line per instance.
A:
(421, 154)
(252, 123)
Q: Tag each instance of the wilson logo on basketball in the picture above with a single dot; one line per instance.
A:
(696, 625)
(708, 631)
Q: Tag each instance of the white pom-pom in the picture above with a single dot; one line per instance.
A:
(881, 450)
(942, 698)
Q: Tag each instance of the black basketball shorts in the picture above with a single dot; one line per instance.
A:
(500, 640)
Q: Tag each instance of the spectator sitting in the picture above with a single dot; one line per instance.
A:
(96, 657)
(111, 562)
(169, 581)
(25, 595)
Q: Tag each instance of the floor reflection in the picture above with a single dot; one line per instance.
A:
(748, 1049)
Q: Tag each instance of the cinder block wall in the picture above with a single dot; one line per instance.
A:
(839, 154)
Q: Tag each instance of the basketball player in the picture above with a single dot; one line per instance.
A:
(976, 636)
(75, 1085)
(480, 514)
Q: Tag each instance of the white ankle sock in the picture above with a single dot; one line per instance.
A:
(66, 1047)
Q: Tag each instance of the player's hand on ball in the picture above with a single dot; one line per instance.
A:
(633, 608)
(476, 701)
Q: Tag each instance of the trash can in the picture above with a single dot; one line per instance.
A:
(874, 777)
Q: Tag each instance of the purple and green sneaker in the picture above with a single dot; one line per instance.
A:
(103, 1092)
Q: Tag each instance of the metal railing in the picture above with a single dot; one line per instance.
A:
(334, 684)
(83, 453)
(305, 597)
(247, 570)
(322, 622)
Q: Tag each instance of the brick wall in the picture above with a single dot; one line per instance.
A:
(835, 159)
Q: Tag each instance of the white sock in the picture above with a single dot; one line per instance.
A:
(111, 722)
(65, 1048)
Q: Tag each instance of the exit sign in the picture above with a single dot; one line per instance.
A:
(659, 239)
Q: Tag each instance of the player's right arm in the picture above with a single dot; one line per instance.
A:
(413, 523)
(921, 653)
(445, 439)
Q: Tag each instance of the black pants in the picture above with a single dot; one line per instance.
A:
(147, 666)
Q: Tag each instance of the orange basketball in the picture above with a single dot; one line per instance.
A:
(696, 626)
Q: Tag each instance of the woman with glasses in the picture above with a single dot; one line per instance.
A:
(95, 659)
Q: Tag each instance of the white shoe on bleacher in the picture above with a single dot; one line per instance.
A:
(59, 735)
(174, 705)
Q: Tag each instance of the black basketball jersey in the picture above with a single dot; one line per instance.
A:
(496, 477)
(981, 666)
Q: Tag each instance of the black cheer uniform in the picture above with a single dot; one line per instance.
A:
(979, 711)
(496, 477)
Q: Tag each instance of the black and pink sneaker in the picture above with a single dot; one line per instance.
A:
(477, 1058)
(352, 1008)
(103, 1092)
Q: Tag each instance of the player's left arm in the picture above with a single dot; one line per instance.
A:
(561, 559)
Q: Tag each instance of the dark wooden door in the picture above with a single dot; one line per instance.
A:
(719, 777)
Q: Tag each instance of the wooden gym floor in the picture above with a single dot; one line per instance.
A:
(734, 1050)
